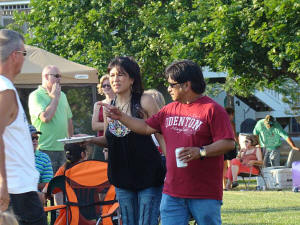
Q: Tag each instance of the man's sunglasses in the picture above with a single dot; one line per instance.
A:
(23, 52)
(34, 138)
(56, 75)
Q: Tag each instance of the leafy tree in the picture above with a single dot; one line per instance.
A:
(256, 41)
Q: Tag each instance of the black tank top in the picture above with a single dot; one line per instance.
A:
(133, 161)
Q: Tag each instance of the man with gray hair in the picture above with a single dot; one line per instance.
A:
(51, 114)
(18, 175)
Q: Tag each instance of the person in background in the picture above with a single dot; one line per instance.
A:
(18, 175)
(202, 128)
(246, 162)
(42, 160)
(50, 113)
(269, 132)
(74, 153)
(135, 167)
(160, 101)
(105, 89)
(229, 156)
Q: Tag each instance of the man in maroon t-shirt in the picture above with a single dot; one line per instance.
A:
(203, 128)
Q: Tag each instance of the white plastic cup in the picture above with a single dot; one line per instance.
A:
(178, 161)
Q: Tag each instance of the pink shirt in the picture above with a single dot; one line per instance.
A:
(193, 125)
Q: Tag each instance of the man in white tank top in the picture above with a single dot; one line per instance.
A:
(18, 176)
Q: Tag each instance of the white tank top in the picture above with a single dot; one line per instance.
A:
(21, 173)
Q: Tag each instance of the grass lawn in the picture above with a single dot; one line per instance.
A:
(260, 207)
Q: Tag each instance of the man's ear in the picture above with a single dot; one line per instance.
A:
(187, 85)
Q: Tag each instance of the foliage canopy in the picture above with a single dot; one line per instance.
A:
(257, 42)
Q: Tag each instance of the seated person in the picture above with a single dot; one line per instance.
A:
(75, 152)
(42, 160)
(247, 161)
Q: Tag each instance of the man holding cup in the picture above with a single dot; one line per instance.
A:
(202, 129)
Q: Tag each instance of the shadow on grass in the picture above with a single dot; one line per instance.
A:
(264, 210)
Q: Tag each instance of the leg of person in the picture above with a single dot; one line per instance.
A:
(267, 162)
(275, 157)
(128, 201)
(235, 171)
(28, 208)
(58, 158)
(174, 211)
(206, 211)
(225, 168)
(148, 202)
(97, 153)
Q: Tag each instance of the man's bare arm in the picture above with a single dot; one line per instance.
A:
(70, 128)
(217, 148)
(291, 143)
(49, 112)
(136, 125)
(8, 112)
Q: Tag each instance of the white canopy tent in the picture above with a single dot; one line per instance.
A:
(37, 59)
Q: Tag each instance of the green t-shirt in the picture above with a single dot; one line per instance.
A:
(57, 128)
(269, 138)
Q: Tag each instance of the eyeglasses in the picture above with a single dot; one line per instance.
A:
(23, 52)
(247, 141)
(34, 138)
(172, 85)
(56, 75)
(106, 86)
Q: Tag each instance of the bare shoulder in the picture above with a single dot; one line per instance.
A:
(147, 98)
(149, 104)
(9, 106)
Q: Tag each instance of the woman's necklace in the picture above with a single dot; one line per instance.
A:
(125, 107)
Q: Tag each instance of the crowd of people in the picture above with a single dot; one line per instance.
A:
(131, 124)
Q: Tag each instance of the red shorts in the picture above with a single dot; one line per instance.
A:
(242, 168)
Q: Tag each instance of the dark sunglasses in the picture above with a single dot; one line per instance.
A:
(34, 138)
(56, 75)
(247, 141)
(172, 85)
(23, 52)
(106, 86)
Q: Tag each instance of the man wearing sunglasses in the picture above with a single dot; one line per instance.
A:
(50, 113)
(201, 128)
(18, 175)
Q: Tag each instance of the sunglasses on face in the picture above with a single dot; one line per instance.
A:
(23, 52)
(56, 75)
(106, 86)
(34, 138)
(247, 141)
(172, 85)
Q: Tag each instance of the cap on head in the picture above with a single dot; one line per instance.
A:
(269, 121)
(33, 130)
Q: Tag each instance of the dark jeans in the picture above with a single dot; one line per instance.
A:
(28, 208)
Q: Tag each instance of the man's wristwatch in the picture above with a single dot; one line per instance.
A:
(202, 153)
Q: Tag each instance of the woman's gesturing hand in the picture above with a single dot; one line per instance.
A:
(111, 111)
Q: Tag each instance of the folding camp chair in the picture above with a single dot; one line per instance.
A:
(249, 175)
(89, 199)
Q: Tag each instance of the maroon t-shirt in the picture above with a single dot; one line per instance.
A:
(193, 125)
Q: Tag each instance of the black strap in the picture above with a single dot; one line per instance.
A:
(90, 204)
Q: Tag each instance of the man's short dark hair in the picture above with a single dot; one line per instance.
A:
(186, 70)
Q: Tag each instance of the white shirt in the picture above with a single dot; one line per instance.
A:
(21, 173)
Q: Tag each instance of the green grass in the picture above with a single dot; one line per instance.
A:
(260, 207)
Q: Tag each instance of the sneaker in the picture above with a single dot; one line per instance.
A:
(235, 184)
